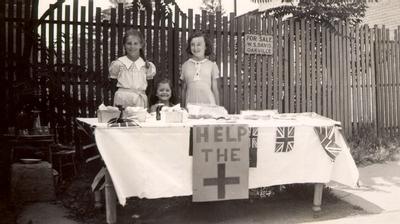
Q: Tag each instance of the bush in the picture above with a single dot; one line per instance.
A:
(367, 147)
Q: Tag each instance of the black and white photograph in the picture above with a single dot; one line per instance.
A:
(200, 111)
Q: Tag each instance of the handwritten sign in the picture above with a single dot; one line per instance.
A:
(220, 162)
(258, 44)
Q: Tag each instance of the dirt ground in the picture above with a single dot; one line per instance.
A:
(284, 204)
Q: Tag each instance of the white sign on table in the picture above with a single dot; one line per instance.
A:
(220, 162)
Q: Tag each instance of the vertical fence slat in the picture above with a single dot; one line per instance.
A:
(239, 76)
(347, 87)
(378, 75)
(389, 82)
(383, 78)
(232, 62)
(106, 91)
(373, 43)
(97, 61)
(276, 62)
(318, 68)
(324, 72)
(257, 76)
(156, 42)
(82, 61)
(329, 73)
(175, 55)
(397, 76)
(51, 66)
(170, 54)
(269, 67)
(264, 70)
(292, 71)
(67, 61)
(120, 29)
(252, 60)
(367, 74)
(342, 114)
(313, 68)
(303, 66)
(246, 69)
(363, 73)
(298, 73)
(225, 87)
(90, 70)
(335, 76)
(307, 65)
(391, 86)
(75, 56)
(286, 80)
(59, 76)
(162, 45)
(184, 39)
(280, 64)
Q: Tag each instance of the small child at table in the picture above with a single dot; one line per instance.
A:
(163, 95)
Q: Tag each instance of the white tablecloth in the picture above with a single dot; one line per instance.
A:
(152, 161)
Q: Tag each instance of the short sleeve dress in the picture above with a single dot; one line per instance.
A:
(132, 81)
(198, 76)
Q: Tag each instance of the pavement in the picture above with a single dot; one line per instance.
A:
(378, 194)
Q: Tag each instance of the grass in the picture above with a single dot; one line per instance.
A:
(368, 148)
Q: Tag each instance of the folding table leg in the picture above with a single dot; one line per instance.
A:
(111, 200)
(318, 188)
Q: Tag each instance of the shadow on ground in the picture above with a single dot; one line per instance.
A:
(291, 206)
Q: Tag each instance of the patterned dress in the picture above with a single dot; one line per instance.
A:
(132, 79)
(198, 76)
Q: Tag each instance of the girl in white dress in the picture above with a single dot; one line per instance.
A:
(131, 72)
(199, 74)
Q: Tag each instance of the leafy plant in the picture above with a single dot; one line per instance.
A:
(367, 147)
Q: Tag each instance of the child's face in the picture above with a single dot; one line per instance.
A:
(198, 47)
(164, 91)
(133, 46)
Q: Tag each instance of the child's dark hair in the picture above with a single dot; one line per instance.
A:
(154, 98)
(209, 48)
(136, 33)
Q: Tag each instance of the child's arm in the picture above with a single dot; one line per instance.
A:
(214, 88)
(183, 93)
(113, 77)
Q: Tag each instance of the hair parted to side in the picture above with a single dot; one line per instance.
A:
(208, 51)
(135, 33)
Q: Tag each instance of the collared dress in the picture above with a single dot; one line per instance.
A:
(132, 79)
(198, 76)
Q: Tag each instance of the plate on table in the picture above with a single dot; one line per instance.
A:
(30, 161)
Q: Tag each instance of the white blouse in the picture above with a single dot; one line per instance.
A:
(131, 74)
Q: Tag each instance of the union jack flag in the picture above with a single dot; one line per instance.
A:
(327, 137)
(284, 139)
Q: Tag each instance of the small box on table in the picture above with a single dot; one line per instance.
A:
(173, 116)
(104, 116)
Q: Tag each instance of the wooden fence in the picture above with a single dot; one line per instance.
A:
(351, 74)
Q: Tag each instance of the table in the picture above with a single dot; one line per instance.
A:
(33, 141)
(136, 166)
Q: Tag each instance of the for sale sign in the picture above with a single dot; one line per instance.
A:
(258, 44)
(220, 162)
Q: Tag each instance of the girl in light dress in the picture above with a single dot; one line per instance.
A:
(199, 74)
(130, 72)
(163, 96)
